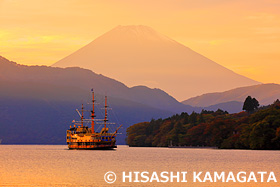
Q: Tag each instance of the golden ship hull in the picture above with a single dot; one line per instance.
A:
(79, 140)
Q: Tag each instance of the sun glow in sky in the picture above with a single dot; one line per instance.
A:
(243, 36)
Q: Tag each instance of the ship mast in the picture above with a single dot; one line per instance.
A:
(105, 118)
(82, 116)
(92, 112)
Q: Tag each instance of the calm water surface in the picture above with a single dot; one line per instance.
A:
(55, 165)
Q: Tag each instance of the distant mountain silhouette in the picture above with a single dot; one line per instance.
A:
(138, 55)
(38, 102)
(85, 79)
(36, 113)
(264, 93)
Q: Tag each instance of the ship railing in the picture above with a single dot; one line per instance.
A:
(107, 123)
(87, 120)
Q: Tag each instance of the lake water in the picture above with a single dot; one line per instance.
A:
(55, 165)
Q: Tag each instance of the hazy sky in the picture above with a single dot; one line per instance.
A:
(243, 36)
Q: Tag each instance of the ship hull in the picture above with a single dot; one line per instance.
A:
(93, 148)
(90, 145)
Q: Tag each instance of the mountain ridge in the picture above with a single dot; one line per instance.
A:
(86, 79)
(38, 102)
(264, 93)
(29, 112)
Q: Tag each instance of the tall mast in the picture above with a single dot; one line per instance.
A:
(92, 112)
(105, 118)
(82, 117)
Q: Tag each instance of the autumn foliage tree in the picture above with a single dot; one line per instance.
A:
(258, 130)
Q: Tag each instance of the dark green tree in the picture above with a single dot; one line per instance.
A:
(250, 104)
(277, 102)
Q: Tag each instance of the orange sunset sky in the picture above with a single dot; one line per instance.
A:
(243, 36)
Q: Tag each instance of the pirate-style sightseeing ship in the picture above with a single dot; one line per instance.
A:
(81, 136)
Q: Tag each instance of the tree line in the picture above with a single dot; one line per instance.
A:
(254, 128)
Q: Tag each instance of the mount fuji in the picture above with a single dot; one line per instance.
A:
(139, 55)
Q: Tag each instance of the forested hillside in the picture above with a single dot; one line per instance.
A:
(257, 130)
